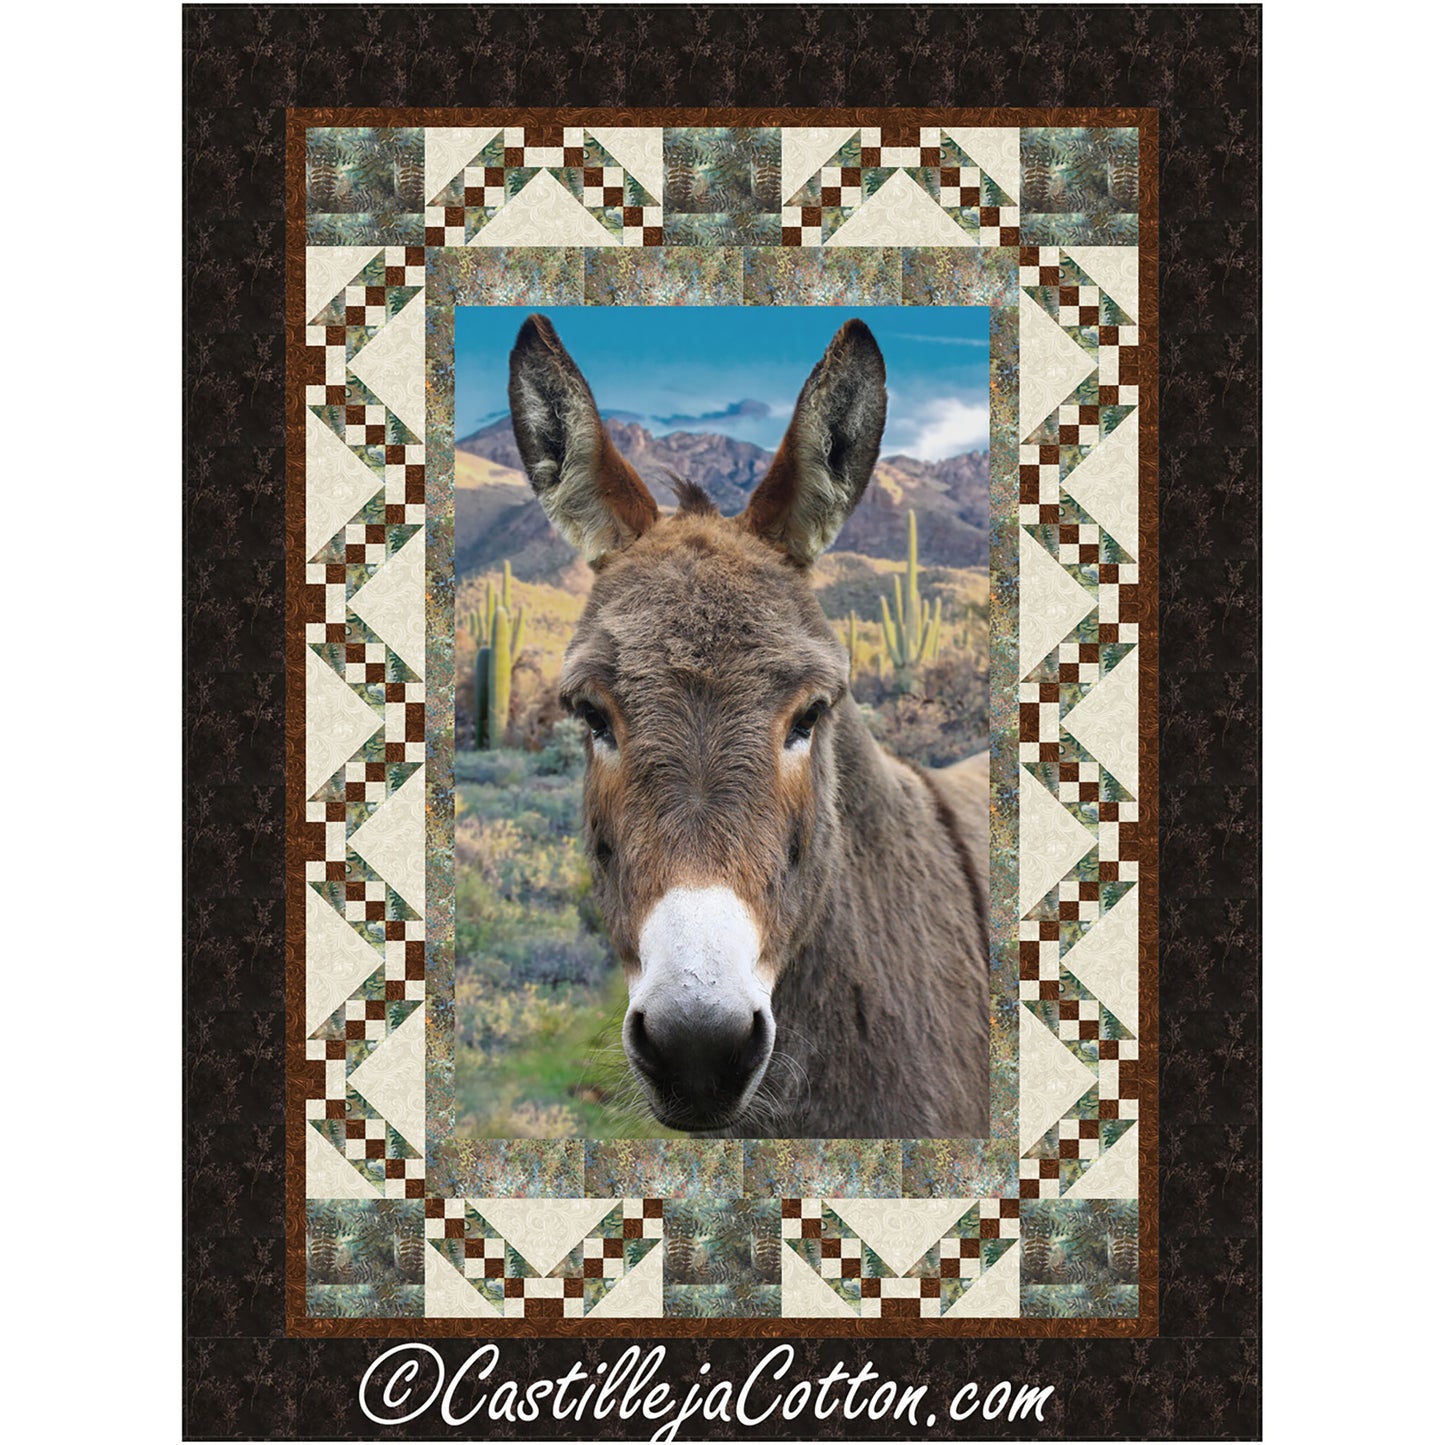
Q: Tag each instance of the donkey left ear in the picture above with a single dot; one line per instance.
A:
(587, 489)
(827, 454)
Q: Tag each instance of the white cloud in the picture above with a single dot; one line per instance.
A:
(944, 427)
(979, 341)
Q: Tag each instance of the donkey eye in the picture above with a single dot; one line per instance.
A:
(803, 725)
(595, 720)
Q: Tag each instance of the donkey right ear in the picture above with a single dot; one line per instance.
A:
(827, 454)
(588, 491)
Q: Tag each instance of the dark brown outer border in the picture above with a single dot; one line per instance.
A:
(297, 1322)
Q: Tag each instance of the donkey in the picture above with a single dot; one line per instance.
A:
(802, 919)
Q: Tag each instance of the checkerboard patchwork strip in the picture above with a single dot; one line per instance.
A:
(586, 1274)
(929, 1288)
(394, 691)
(1095, 1037)
(1100, 642)
(458, 213)
(961, 189)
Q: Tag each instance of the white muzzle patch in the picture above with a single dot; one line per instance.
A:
(700, 1026)
(701, 944)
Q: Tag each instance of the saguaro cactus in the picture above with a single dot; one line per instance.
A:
(478, 622)
(499, 691)
(497, 628)
(912, 639)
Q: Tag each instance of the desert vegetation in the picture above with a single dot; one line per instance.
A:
(539, 994)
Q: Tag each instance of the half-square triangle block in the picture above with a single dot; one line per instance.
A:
(1051, 1079)
(807, 1296)
(1114, 1174)
(995, 1294)
(329, 1176)
(1051, 840)
(806, 150)
(449, 150)
(900, 213)
(1106, 721)
(392, 1079)
(1051, 365)
(393, 840)
(1051, 603)
(1114, 270)
(393, 365)
(995, 151)
(638, 150)
(331, 268)
(338, 722)
(544, 213)
(638, 1293)
(393, 603)
(543, 1231)
(451, 1296)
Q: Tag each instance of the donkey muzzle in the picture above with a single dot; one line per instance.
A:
(699, 1031)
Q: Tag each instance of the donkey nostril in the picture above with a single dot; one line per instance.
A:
(757, 1044)
(643, 1045)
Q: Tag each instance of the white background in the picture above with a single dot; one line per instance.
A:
(1353, 771)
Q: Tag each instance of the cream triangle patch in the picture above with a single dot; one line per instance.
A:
(1106, 721)
(392, 1079)
(393, 365)
(1051, 1079)
(1051, 365)
(393, 840)
(329, 1176)
(338, 960)
(544, 213)
(1051, 603)
(393, 603)
(1106, 483)
(1106, 960)
(1051, 840)
(900, 1231)
(338, 722)
(995, 1294)
(900, 213)
(543, 1231)
(338, 484)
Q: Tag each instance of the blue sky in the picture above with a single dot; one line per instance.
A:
(738, 369)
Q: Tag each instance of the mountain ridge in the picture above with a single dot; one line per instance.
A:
(950, 498)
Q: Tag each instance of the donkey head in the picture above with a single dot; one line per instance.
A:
(705, 674)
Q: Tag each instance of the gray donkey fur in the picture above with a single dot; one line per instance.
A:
(727, 754)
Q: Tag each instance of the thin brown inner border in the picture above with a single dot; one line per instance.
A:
(303, 840)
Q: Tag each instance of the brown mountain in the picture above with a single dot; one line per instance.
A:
(949, 497)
